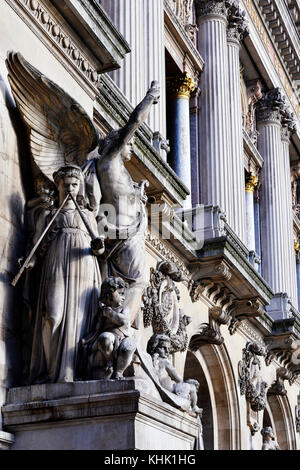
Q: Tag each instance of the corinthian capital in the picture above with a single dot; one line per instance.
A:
(211, 7)
(181, 86)
(237, 24)
(271, 106)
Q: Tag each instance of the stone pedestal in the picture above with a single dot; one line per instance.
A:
(95, 415)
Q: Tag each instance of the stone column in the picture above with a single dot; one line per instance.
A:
(180, 89)
(236, 31)
(141, 22)
(214, 120)
(288, 127)
(274, 229)
(251, 184)
(298, 275)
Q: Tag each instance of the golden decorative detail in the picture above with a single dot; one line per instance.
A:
(181, 86)
(251, 183)
(296, 246)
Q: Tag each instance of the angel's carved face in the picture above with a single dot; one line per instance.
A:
(68, 184)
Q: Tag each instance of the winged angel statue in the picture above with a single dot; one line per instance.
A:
(87, 214)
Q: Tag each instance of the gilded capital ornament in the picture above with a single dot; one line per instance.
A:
(181, 86)
(296, 246)
(251, 183)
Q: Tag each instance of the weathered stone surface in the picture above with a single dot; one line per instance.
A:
(106, 415)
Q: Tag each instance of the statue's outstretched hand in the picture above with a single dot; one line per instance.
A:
(155, 91)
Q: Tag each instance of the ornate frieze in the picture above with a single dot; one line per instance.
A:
(183, 9)
(181, 86)
(161, 305)
(58, 35)
(165, 252)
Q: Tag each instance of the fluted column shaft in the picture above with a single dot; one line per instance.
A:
(251, 184)
(275, 233)
(180, 88)
(288, 221)
(237, 183)
(141, 22)
(214, 106)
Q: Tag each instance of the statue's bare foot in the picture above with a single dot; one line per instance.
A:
(117, 376)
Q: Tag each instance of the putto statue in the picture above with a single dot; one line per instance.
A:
(159, 347)
(108, 350)
(96, 196)
(269, 441)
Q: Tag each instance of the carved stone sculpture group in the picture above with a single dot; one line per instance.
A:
(84, 269)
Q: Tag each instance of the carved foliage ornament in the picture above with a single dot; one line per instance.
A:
(161, 305)
(251, 384)
(182, 9)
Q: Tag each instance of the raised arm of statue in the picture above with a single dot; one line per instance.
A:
(117, 139)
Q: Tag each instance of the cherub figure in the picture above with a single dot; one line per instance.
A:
(110, 348)
(159, 348)
(269, 441)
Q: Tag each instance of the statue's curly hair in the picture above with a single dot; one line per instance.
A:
(110, 285)
(153, 342)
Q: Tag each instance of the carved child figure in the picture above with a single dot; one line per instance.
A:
(110, 348)
(269, 441)
(159, 348)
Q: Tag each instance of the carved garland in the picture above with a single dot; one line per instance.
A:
(161, 305)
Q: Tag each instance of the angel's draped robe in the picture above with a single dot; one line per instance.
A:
(68, 299)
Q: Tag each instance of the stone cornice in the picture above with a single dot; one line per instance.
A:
(282, 28)
(274, 69)
(64, 41)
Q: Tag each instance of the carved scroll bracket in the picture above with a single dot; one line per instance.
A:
(277, 387)
(284, 346)
(226, 308)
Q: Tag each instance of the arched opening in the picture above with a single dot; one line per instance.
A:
(193, 370)
(210, 365)
(283, 422)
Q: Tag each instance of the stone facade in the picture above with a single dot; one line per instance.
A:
(220, 151)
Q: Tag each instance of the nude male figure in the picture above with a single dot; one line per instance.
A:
(125, 227)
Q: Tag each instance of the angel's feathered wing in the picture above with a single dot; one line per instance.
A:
(59, 129)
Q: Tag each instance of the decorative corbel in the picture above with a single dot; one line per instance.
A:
(209, 333)
(277, 387)
(242, 309)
